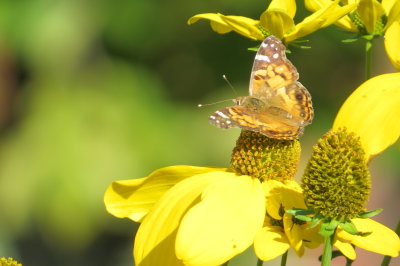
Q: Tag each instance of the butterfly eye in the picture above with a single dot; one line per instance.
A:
(299, 96)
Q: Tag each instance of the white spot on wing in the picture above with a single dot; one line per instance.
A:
(212, 117)
(263, 45)
(221, 114)
(263, 58)
(275, 56)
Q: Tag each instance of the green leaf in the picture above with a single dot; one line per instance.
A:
(315, 221)
(349, 227)
(328, 229)
(350, 40)
(369, 214)
(364, 233)
(255, 49)
(300, 46)
(304, 218)
(369, 37)
(296, 212)
(333, 225)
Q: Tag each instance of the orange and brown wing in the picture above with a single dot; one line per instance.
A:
(292, 103)
(271, 69)
(254, 120)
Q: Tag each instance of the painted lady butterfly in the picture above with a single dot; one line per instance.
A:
(279, 106)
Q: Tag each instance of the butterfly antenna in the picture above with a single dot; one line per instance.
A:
(229, 83)
(206, 104)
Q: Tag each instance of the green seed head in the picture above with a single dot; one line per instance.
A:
(265, 158)
(336, 181)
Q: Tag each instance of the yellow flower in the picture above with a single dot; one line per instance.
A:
(190, 215)
(277, 20)
(280, 230)
(392, 41)
(371, 18)
(372, 111)
(381, 239)
(205, 216)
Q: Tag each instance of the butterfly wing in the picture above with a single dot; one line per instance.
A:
(278, 106)
(253, 119)
(292, 104)
(274, 81)
(271, 69)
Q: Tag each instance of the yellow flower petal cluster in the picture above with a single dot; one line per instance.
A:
(277, 20)
(372, 111)
(373, 18)
(381, 239)
(190, 215)
(280, 230)
(205, 216)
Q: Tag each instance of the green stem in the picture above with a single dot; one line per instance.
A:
(368, 59)
(327, 255)
(260, 262)
(284, 259)
(386, 259)
(349, 262)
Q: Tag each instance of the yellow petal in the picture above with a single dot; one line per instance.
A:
(217, 24)
(273, 197)
(294, 234)
(270, 243)
(244, 26)
(347, 24)
(392, 41)
(224, 24)
(276, 22)
(311, 236)
(335, 14)
(388, 4)
(315, 5)
(135, 197)
(322, 18)
(287, 6)
(382, 240)
(370, 12)
(346, 248)
(288, 194)
(223, 224)
(155, 239)
(292, 196)
(372, 111)
(344, 22)
(392, 9)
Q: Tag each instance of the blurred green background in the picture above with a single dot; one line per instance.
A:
(96, 91)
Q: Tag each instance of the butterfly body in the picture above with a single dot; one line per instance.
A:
(278, 105)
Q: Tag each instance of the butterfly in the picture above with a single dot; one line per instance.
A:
(278, 106)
